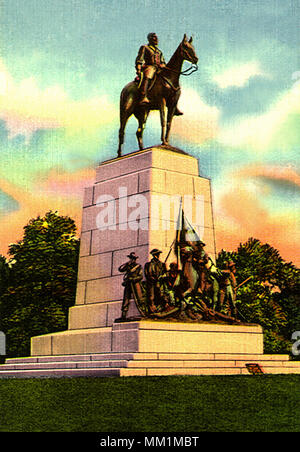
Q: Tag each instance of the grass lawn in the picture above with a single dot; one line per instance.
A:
(154, 404)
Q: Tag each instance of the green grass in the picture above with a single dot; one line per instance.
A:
(153, 404)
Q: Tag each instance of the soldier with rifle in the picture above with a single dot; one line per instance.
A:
(154, 270)
(172, 285)
(227, 294)
(132, 283)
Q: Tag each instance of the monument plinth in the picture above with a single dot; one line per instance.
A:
(133, 206)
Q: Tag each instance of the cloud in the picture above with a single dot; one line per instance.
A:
(240, 212)
(58, 193)
(50, 169)
(284, 175)
(26, 108)
(264, 132)
(200, 120)
(68, 185)
(238, 75)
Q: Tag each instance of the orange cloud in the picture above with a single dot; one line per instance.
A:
(68, 184)
(60, 192)
(240, 215)
(287, 174)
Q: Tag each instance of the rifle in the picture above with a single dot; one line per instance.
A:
(240, 285)
(244, 282)
(169, 251)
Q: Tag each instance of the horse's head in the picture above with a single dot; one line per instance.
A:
(187, 50)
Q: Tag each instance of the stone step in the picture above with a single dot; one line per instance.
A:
(276, 370)
(148, 356)
(143, 364)
(127, 372)
(75, 358)
(151, 371)
(143, 372)
(266, 363)
(180, 364)
(251, 357)
(205, 363)
(159, 363)
(63, 365)
(58, 373)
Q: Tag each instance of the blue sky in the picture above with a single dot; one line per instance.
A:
(64, 63)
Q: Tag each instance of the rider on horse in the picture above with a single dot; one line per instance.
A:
(149, 60)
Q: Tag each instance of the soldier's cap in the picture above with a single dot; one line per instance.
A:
(155, 251)
(231, 264)
(132, 256)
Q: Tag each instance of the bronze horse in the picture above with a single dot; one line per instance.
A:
(164, 94)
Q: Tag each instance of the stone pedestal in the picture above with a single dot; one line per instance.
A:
(175, 337)
(133, 206)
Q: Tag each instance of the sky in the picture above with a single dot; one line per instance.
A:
(63, 64)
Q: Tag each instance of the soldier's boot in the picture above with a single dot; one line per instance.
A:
(144, 91)
(178, 112)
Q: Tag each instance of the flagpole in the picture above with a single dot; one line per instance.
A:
(179, 228)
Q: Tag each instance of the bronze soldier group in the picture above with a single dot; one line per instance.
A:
(196, 291)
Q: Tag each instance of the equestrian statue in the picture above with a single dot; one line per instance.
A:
(156, 87)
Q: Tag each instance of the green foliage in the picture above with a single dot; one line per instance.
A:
(4, 274)
(274, 343)
(272, 297)
(42, 281)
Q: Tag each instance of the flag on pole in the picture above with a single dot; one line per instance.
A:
(186, 235)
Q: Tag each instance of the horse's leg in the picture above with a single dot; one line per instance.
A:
(142, 118)
(171, 111)
(162, 111)
(124, 115)
(127, 105)
(121, 136)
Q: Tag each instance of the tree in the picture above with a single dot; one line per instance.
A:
(4, 274)
(272, 297)
(42, 283)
